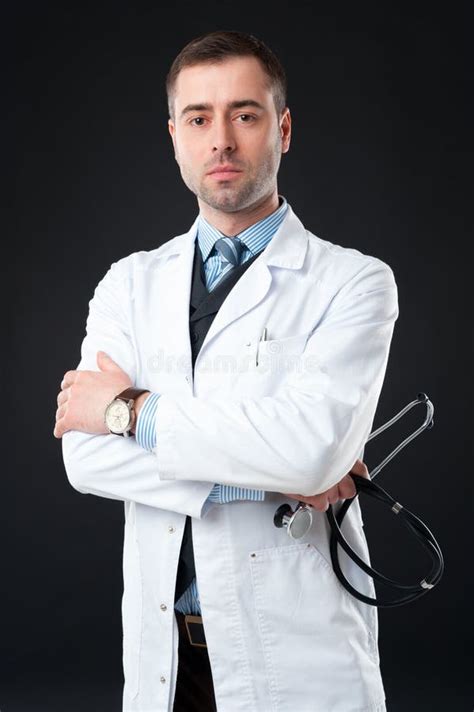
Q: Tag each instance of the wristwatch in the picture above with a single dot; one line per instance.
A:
(119, 414)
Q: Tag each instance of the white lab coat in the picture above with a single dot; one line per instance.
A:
(282, 633)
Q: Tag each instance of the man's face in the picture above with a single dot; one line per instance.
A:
(209, 132)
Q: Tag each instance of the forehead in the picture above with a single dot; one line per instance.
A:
(222, 82)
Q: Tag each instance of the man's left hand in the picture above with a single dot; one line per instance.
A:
(85, 395)
(345, 489)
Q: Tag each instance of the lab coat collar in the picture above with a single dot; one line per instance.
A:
(286, 249)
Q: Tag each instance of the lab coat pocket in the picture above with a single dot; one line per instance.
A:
(275, 360)
(280, 351)
(131, 605)
(315, 644)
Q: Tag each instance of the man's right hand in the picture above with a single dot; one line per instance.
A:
(345, 489)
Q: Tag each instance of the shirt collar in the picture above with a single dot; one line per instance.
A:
(255, 237)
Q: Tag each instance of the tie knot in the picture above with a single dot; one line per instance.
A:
(230, 249)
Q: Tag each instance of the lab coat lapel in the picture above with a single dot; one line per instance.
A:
(286, 250)
(170, 294)
(204, 302)
(199, 293)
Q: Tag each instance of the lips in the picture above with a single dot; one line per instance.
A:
(224, 169)
(224, 173)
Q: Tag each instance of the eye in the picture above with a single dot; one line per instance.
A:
(248, 118)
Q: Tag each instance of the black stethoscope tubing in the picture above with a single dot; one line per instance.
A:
(299, 522)
(410, 520)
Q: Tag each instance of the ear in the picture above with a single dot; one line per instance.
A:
(172, 129)
(285, 130)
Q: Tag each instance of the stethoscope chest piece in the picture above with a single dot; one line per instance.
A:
(297, 522)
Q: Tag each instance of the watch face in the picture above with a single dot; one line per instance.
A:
(117, 416)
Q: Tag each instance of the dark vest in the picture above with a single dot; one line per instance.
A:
(203, 308)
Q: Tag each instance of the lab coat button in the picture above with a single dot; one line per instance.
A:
(163, 607)
(171, 529)
(162, 679)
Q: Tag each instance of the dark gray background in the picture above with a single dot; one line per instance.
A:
(375, 163)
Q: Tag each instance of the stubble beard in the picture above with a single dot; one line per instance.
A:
(238, 193)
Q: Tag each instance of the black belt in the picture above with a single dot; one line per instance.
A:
(191, 628)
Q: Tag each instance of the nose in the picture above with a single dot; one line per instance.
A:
(223, 138)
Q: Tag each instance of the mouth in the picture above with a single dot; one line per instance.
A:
(224, 173)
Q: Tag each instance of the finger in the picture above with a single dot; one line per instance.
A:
(320, 502)
(58, 431)
(68, 379)
(60, 412)
(60, 428)
(312, 499)
(347, 488)
(106, 362)
(333, 494)
(360, 468)
(62, 396)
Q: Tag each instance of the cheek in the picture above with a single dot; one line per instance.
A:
(185, 146)
(264, 144)
(190, 155)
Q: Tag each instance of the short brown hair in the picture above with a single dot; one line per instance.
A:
(220, 45)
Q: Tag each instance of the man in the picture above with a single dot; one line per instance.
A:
(257, 352)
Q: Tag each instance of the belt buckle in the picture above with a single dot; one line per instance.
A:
(195, 629)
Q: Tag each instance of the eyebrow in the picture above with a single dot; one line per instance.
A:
(239, 104)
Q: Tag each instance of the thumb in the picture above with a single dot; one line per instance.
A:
(106, 363)
(360, 468)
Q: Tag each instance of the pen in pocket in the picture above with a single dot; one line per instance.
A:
(262, 338)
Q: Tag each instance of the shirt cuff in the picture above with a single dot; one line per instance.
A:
(145, 431)
(222, 494)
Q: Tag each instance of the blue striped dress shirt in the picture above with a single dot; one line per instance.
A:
(256, 238)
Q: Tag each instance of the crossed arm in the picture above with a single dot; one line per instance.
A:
(328, 413)
(75, 408)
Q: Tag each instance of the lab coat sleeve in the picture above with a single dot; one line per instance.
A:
(307, 436)
(145, 434)
(108, 465)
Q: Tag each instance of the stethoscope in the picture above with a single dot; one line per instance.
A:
(298, 523)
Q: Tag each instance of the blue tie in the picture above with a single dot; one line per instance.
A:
(230, 250)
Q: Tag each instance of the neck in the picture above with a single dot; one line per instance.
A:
(235, 223)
